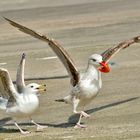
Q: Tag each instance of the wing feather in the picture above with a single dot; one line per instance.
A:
(56, 47)
(109, 53)
(20, 83)
(7, 88)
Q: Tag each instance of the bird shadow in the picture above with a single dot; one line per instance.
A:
(3, 122)
(71, 120)
(9, 130)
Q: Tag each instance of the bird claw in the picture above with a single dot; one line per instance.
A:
(79, 126)
(41, 127)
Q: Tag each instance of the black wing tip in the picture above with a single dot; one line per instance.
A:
(23, 55)
(60, 100)
(137, 39)
(7, 19)
(13, 23)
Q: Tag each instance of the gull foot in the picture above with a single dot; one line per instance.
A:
(41, 127)
(79, 126)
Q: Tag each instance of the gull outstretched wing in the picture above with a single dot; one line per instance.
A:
(56, 47)
(20, 83)
(109, 53)
(7, 89)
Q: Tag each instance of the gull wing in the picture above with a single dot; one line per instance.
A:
(109, 53)
(20, 83)
(7, 89)
(56, 47)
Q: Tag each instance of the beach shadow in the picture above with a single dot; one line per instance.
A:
(9, 130)
(3, 121)
(63, 125)
(71, 120)
(74, 118)
(16, 130)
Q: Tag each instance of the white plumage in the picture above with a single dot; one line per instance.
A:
(85, 86)
(20, 102)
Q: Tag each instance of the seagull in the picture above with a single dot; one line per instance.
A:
(84, 86)
(21, 101)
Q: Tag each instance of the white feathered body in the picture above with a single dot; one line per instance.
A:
(88, 87)
(25, 105)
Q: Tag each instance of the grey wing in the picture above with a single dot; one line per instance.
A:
(56, 47)
(109, 53)
(7, 89)
(66, 60)
(20, 83)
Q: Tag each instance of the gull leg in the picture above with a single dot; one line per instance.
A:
(78, 124)
(21, 131)
(82, 113)
(39, 127)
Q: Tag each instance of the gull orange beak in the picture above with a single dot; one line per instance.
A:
(104, 67)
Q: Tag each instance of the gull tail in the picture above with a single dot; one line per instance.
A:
(67, 99)
(3, 103)
(60, 100)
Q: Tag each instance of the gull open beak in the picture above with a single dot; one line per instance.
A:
(41, 88)
(104, 67)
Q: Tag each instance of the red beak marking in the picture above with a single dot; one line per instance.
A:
(104, 67)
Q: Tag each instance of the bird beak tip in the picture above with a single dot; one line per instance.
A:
(104, 67)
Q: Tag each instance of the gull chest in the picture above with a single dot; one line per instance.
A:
(28, 104)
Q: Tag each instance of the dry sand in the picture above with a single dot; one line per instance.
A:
(83, 27)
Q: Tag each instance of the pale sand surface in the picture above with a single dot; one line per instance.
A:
(83, 27)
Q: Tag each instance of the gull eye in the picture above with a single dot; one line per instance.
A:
(94, 60)
(32, 86)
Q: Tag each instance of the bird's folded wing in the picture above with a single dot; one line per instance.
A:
(109, 53)
(7, 89)
(56, 47)
(20, 83)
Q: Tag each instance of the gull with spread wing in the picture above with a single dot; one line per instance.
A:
(84, 86)
(20, 102)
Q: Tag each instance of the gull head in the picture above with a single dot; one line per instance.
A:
(97, 61)
(34, 87)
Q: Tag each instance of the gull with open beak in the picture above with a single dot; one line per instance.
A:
(20, 102)
(84, 86)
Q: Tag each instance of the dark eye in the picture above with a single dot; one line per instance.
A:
(32, 86)
(94, 60)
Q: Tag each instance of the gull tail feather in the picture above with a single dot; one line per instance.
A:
(60, 100)
(3, 103)
(67, 99)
